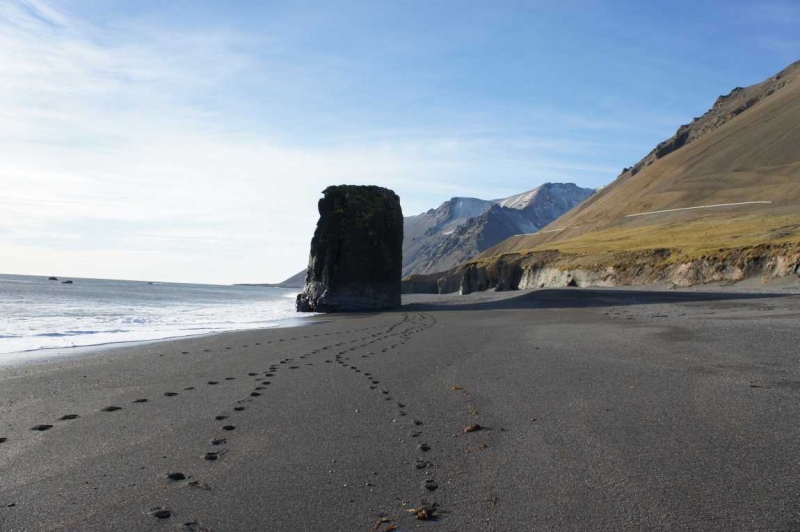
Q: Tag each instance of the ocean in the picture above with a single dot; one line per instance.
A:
(39, 317)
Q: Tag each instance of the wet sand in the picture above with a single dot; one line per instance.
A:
(556, 409)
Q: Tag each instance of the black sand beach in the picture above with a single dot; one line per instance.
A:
(549, 410)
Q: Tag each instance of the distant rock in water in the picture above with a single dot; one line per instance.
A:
(65, 282)
(52, 278)
(356, 253)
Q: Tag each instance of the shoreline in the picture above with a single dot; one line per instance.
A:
(50, 354)
(785, 286)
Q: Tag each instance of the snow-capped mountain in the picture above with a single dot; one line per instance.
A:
(461, 228)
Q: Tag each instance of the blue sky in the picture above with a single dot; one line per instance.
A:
(189, 140)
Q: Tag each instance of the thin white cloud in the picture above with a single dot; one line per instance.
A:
(119, 140)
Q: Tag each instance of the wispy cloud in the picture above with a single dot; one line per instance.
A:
(141, 143)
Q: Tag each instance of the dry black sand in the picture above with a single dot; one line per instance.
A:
(558, 409)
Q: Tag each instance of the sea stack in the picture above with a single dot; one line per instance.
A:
(357, 252)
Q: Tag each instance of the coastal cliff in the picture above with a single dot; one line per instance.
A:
(554, 269)
(356, 253)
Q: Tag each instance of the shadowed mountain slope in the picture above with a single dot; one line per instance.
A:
(461, 228)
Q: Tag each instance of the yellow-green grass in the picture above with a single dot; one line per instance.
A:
(694, 236)
(671, 242)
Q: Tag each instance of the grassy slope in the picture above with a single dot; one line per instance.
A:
(755, 156)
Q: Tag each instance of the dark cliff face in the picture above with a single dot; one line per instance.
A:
(356, 253)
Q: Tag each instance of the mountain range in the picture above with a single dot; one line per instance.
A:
(717, 201)
(461, 228)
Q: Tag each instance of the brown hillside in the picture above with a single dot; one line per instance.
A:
(745, 149)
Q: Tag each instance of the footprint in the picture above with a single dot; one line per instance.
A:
(230, 378)
(220, 418)
(212, 456)
(194, 526)
(229, 427)
(140, 401)
(238, 408)
(111, 409)
(431, 485)
(424, 447)
(68, 417)
(176, 476)
(212, 382)
(42, 428)
(252, 374)
(189, 388)
(170, 394)
(160, 513)
(252, 394)
(219, 441)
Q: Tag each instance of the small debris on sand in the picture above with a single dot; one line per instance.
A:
(425, 512)
(481, 447)
(474, 427)
(387, 521)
